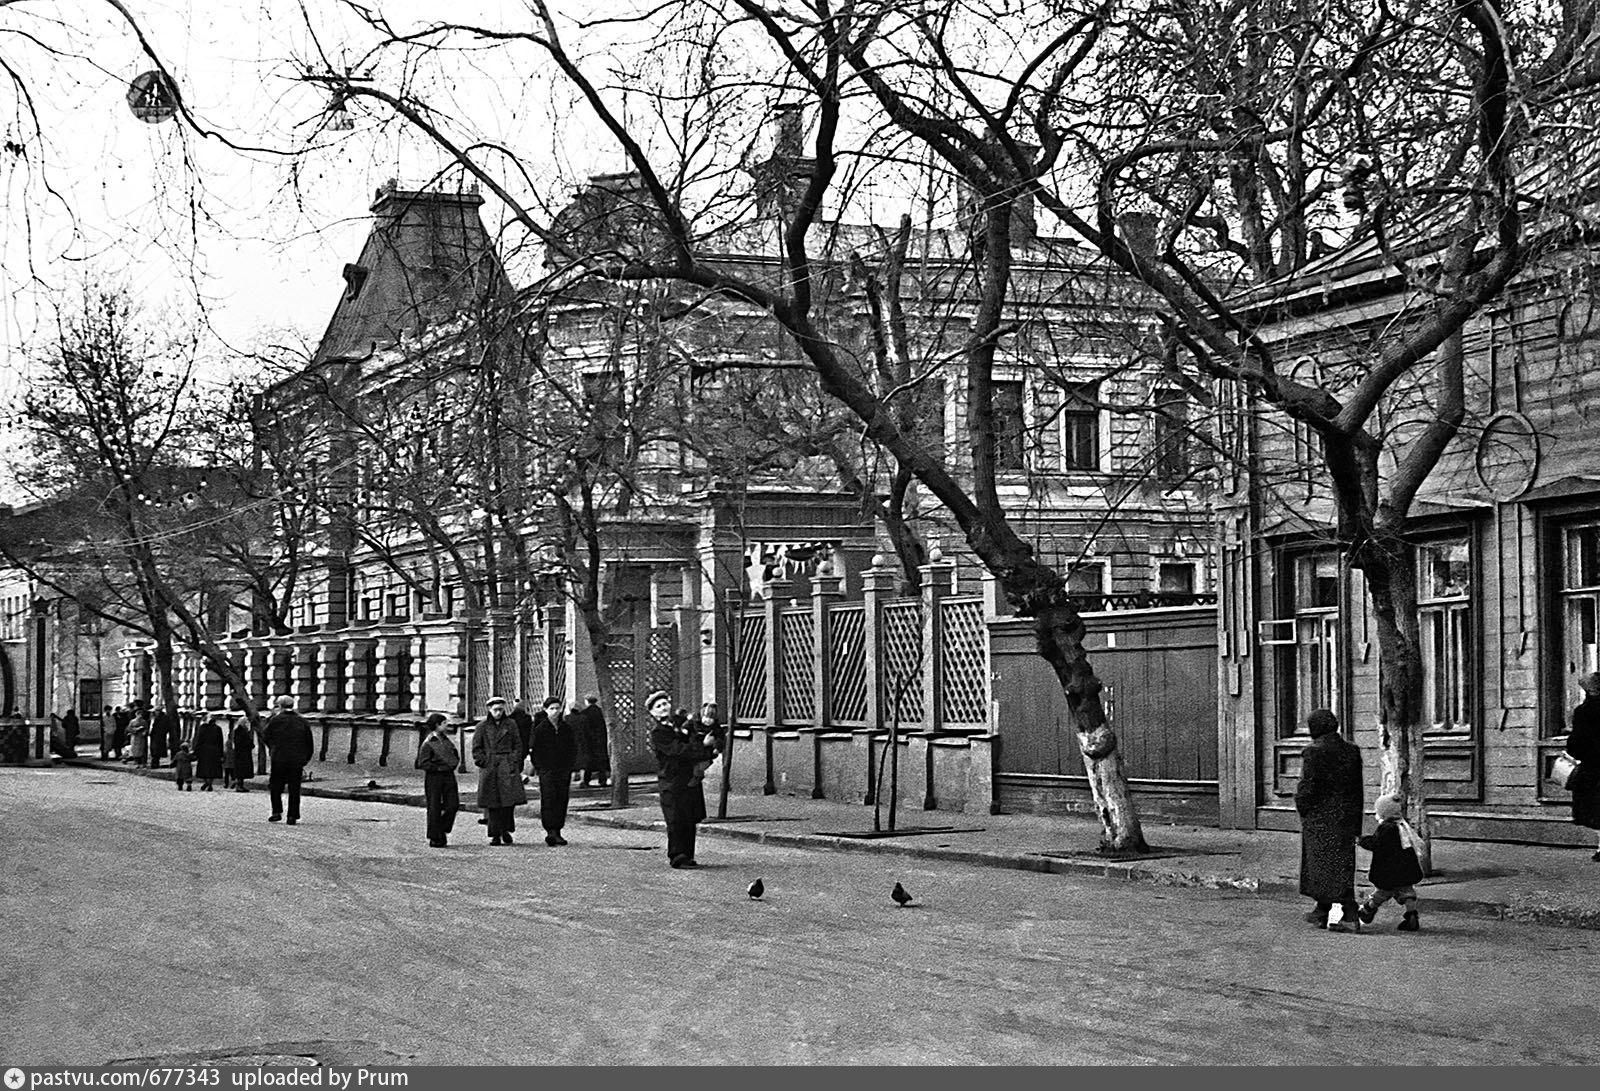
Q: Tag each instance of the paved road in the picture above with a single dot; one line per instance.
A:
(145, 923)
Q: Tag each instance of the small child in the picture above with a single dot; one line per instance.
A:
(183, 767)
(1394, 865)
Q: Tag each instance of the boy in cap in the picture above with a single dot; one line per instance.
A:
(1395, 866)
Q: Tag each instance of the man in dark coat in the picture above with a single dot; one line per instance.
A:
(69, 727)
(121, 719)
(497, 752)
(1329, 800)
(160, 736)
(208, 750)
(291, 745)
(1583, 743)
(438, 759)
(244, 756)
(595, 750)
(524, 721)
(107, 719)
(554, 750)
(678, 750)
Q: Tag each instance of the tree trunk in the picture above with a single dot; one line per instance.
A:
(1391, 582)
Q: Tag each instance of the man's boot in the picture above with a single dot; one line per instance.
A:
(1411, 923)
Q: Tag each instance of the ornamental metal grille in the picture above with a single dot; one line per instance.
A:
(478, 675)
(750, 683)
(964, 659)
(847, 654)
(558, 666)
(505, 666)
(901, 628)
(533, 668)
(796, 653)
(661, 664)
(619, 664)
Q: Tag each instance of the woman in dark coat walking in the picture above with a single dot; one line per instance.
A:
(208, 747)
(244, 755)
(1329, 799)
(1583, 743)
(594, 751)
(438, 759)
(497, 752)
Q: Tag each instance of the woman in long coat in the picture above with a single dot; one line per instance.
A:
(244, 755)
(497, 752)
(1329, 799)
(139, 737)
(208, 747)
(1583, 743)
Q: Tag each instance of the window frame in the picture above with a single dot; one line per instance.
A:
(1449, 620)
(1069, 417)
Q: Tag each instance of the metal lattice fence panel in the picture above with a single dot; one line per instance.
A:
(661, 662)
(479, 675)
(557, 651)
(902, 661)
(847, 664)
(620, 665)
(964, 659)
(505, 672)
(533, 667)
(796, 653)
(750, 684)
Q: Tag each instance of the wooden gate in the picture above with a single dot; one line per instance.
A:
(640, 660)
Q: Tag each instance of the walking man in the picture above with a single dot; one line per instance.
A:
(438, 759)
(1329, 799)
(497, 752)
(290, 745)
(554, 750)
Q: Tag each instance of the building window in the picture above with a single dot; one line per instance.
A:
(1312, 661)
(1580, 606)
(1444, 603)
(1175, 578)
(1172, 436)
(1080, 427)
(1006, 403)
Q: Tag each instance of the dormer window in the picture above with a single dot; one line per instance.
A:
(355, 278)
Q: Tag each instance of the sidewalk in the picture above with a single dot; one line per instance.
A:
(1523, 883)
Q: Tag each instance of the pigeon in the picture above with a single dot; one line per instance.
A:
(757, 889)
(901, 898)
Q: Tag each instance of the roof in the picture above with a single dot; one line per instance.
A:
(426, 260)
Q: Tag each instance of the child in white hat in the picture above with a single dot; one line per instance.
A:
(1395, 866)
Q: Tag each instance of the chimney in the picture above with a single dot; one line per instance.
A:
(783, 176)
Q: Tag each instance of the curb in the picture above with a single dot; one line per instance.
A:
(1542, 912)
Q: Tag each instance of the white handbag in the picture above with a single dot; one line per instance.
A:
(1565, 765)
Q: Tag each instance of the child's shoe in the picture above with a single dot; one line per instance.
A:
(1411, 923)
(1367, 914)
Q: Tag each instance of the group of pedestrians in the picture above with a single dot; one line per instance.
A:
(1330, 798)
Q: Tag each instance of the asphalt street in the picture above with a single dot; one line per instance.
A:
(144, 923)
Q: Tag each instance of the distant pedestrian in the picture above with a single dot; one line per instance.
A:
(139, 738)
(210, 758)
(1583, 743)
(1329, 801)
(107, 719)
(554, 751)
(291, 746)
(1395, 868)
(69, 727)
(121, 721)
(678, 750)
(183, 768)
(498, 754)
(439, 759)
(594, 750)
(243, 743)
(160, 739)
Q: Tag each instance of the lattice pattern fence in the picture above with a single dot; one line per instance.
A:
(796, 701)
(620, 665)
(557, 651)
(964, 662)
(533, 667)
(505, 667)
(479, 675)
(847, 666)
(902, 661)
(750, 684)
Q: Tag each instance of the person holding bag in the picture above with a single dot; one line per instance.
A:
(1583, 745)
